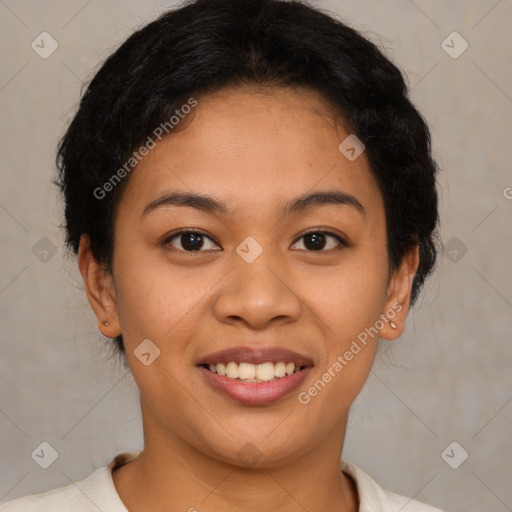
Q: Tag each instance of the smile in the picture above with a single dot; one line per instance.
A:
(248, 372)
(255, 376)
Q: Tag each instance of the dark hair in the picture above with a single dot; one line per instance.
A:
(206, 45)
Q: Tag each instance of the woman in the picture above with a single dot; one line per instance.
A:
(252, 199)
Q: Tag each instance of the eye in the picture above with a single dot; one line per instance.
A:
(190, 240)
(319, 241)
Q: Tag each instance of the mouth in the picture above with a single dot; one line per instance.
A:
(255, 376)
(249, 372)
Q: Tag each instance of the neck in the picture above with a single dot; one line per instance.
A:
(170, 474)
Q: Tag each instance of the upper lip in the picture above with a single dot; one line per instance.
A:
(256, 356)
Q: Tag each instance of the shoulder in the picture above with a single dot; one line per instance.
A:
(373, 498)
(396, 503)
(96, 492)
(69, 497)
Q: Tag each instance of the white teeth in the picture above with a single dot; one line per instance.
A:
(263, 372)
(280, 369)
(232, 370)
(246, 371)
(289, 368)
(221, 369)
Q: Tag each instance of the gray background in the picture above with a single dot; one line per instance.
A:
(447, 378)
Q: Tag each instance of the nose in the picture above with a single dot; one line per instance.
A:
(257, 294)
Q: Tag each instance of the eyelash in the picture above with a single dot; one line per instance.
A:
(343, 243)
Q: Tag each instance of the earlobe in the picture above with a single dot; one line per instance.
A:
(399, 295)
(100, 289)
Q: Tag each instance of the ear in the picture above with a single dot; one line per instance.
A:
(399, 295)
(99, 285)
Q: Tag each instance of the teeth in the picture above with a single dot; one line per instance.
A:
(248, 372)
(232, 370)
(265, 371)
(280, 369)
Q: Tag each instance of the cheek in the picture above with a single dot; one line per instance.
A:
(158, 300)
(348, 306)
(147, 299)
(349, 296)
(348, 299)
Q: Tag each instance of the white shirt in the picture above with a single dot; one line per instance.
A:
(97, 492)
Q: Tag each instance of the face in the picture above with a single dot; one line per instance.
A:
(285, 261)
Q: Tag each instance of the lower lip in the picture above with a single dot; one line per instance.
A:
(255, 393)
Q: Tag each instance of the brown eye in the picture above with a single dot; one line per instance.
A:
(190, 241)
(320, 241)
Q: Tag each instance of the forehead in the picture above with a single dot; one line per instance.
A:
(248, 147)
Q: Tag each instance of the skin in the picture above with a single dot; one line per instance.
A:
(253, 150)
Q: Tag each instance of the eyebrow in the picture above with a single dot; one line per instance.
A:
(201, 202)
(331, 197)
(211, 205)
